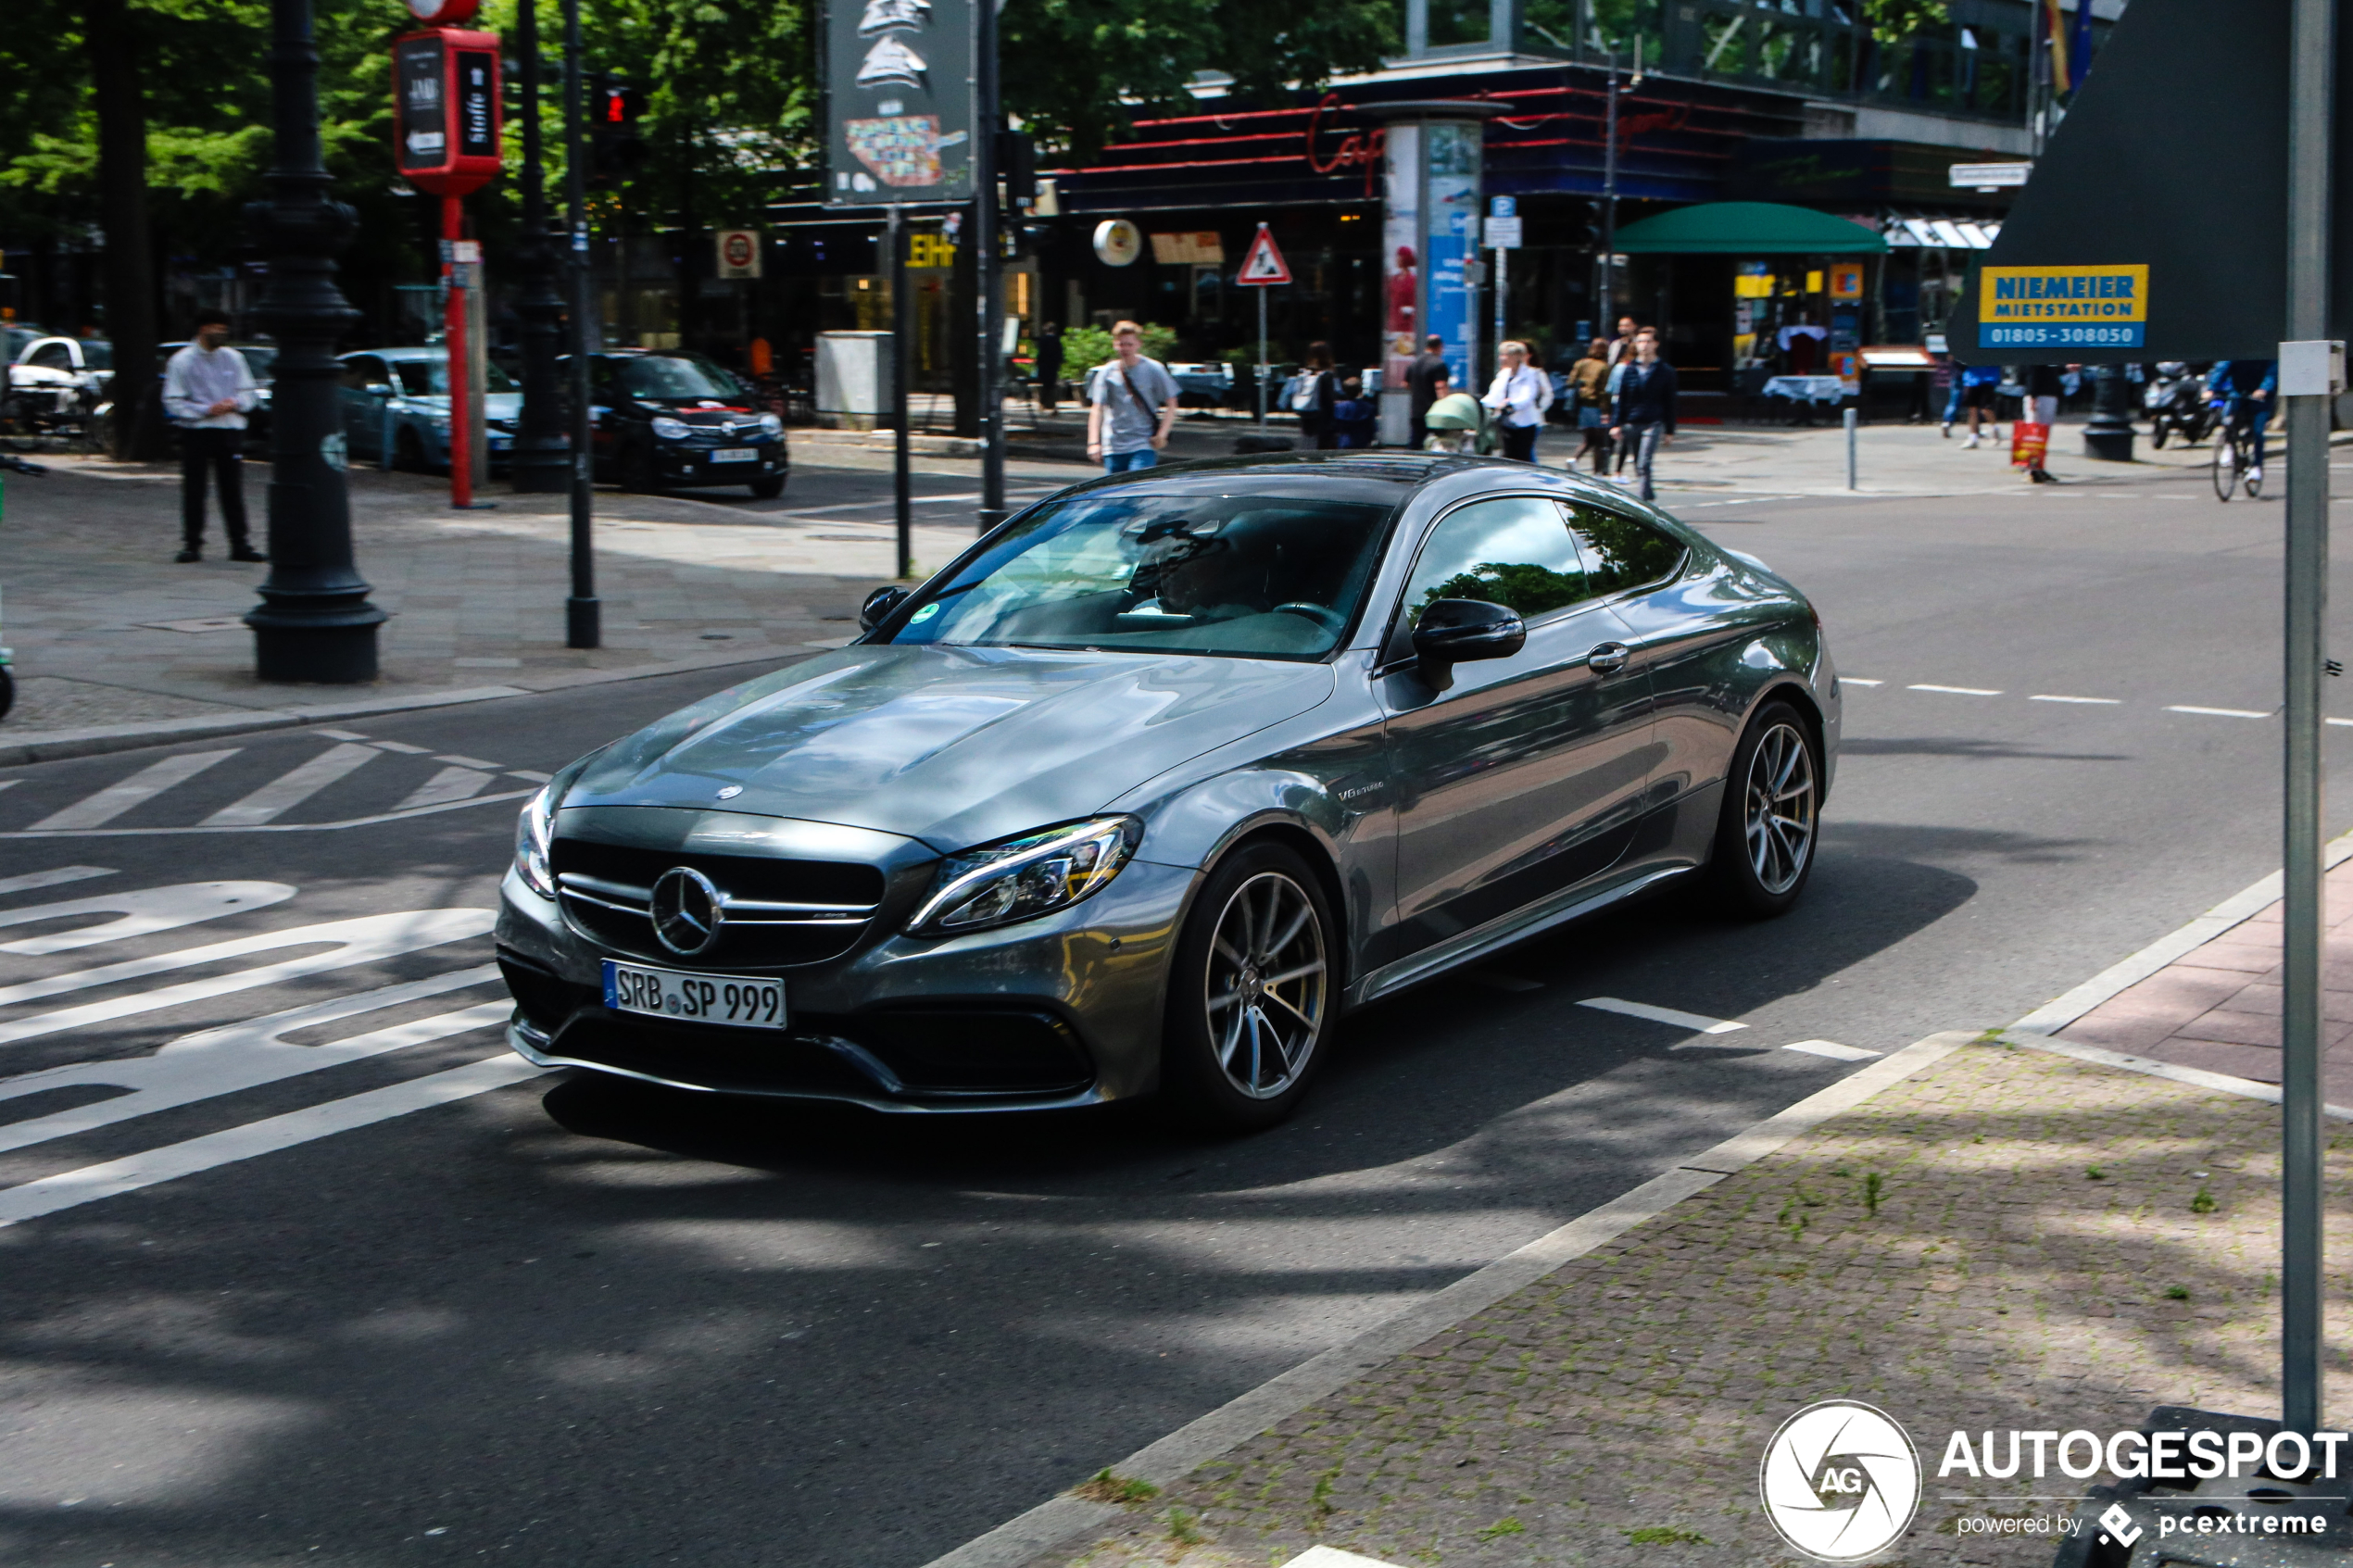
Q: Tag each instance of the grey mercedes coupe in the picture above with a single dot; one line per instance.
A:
(1164, 777)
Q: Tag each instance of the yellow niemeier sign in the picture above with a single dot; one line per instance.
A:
(2061, 307)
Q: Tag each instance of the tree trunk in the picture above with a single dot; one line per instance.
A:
(130, 271)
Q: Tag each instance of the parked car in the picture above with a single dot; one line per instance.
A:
(1162, 774)
(669, 420)
(401, 395)
(56, 384)
(261, 359)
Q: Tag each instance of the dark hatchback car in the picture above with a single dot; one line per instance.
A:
(670, 421)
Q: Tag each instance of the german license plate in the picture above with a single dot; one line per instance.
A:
(735, 455)
(744, 1001)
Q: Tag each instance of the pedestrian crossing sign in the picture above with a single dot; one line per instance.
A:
(1264, 264)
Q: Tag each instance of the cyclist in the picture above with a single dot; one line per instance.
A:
(2243, 389)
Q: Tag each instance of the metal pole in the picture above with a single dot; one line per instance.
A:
(987, 265)
(314, 622)
(461, 450)
(584, 615)
(902, 313)
(1503, 283)
(1261, 359)
(1850, 446)
(538, 465)
(2311, 54)
(1609, 203)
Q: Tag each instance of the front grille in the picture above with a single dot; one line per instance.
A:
(777, 913)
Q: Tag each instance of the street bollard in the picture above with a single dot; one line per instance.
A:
(1850, 446)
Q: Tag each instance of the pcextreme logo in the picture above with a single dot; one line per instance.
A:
(1839, 1481)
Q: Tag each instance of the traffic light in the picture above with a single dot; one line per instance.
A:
(1018, 167)
(614, 146)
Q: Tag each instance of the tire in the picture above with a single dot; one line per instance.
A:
(2157, 428)
(1217, 1073)
(2225, 467)
(768, 489)
(7, 691)
(1770, 822)
(637, 471)
(407, 451)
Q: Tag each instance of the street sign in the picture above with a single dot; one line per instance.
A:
(1502, 206)
(1263, 264)
(2063, 307)
(899, 100)
(445, 109)
(1988, 176)
(1503, 231)
(737, 253)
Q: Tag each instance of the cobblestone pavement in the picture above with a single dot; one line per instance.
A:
(2218, 1007)
(106, 629)
(2010, 1238)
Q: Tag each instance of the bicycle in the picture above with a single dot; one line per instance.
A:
(2234, 457)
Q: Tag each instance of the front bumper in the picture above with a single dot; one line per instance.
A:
(1060, 1011)
(683, 463)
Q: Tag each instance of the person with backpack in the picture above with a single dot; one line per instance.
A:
(1979, 385)
(1313, 393)
(1645, 414)
(1133, 404)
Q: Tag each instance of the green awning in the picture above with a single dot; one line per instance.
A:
(1747, 229)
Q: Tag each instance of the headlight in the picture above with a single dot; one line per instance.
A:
(531, 841)
(1021, 878)
(670, 429)
(772, 424)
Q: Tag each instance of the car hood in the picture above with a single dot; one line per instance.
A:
(954, 746)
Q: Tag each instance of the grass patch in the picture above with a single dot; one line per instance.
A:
(2203, 1203)
(1666, 1534)
(1104, 1486)
(1506, 1525)
(2095, 1174)
(2177, 1293)
(1182, 1530)
(1873, 1185)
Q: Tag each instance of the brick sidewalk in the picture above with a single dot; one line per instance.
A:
(2010, 1238)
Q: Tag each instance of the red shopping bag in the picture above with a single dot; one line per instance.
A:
(2028, 444)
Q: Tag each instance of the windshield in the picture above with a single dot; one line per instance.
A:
(96, 355)
(1239, 575)
(423, 378)
(663, 377)
(260, 359)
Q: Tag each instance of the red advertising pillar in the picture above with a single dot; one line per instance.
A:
(446, 122)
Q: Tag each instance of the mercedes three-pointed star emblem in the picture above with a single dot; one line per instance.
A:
(686, 911)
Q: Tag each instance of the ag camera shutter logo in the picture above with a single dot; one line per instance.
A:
(1839, 1481)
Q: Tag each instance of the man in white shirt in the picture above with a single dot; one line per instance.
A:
(206, 389)
(1518, 398)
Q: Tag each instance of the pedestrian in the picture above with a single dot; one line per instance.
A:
(1356, 417)
(1589, 387)
(1980, 384)
(1134, 403)
(1048, 363)
(1645, 407)
(1518, 397)
(1948, 382)
(1429, 380)
(1313, 393)
(206, 389)
(1621, 347)
(2044, 386)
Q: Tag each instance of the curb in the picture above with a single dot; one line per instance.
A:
(59, 744)
(1063, 1523)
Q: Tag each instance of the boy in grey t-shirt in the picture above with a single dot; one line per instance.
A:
(1133, 403)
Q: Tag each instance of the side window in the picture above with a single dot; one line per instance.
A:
(1514, 551)
(1624, 552)
(51, 356)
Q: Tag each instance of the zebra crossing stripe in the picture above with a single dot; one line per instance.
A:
(70, 1189)
(144, 911)
(51, 879)
(450, 783)
(98, 810)
(283, 794)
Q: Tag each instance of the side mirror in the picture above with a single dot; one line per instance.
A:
(1458, 631)
(878, 605)
(379, 389)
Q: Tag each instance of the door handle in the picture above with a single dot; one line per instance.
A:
(1607, 659)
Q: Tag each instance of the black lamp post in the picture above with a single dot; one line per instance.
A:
(542, 460)
(314, 622)
(2108, 435)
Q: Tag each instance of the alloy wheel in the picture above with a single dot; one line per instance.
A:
(1780, 812)
(1266, 989)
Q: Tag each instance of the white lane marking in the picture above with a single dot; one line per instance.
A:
(282, 827)
(1697, 1023)
(143, 911)
(1955, 691)
(70, 1189)
(450, 783)
(401, 747)
(10, 784)
(527, 773)
(2347, 723)
(340, 734)
(469, 762)
(26, 882)
(2102, 701)
(241, 1056)
(98, 810)
(1858, 681)
(349, 942)
(1493, 981)
(1832, 1049)
(2216, 712)
(290, 789)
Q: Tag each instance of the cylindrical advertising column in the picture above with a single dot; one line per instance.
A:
(1436, 153)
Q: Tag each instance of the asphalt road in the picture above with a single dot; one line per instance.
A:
(567, 1323)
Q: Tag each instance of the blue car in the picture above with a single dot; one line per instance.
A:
(401, 396)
